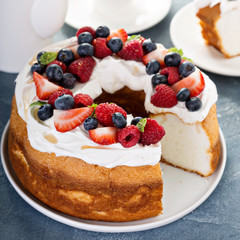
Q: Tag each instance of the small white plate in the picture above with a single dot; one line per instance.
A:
(182, 193)
(185, 33)
(140, 16)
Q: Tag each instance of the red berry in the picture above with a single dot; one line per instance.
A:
(86, 29)
(141, 39)
(172, 74)
(105, 111)
(129, 136)
(57, 94)
(120, 33)
(82, 68)
(132, 50)
(153, 132)
(104, 135)
(59, 63)
(100, 48)
(164, 97)
(83, 100)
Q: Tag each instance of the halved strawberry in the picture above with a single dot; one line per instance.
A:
(66, 120)
(120, 33)
(194, 83)
(44, 88)
(104, 135)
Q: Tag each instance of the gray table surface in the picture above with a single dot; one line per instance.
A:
(217, 218)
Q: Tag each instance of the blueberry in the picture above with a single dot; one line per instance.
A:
(119, 120)
(152, 67)
(90, 123)
(186, 68)
(136, 120)
(115, 44)
(148, 45)
(39, 55)
(193, 104)
(172, 59)
(66, 55)
(68, 81)
(102, 32)
(183, 95)
(54, 73)
(159, 79)
(37, 67)
(45, 112)
(85, 49)
(64, 102)
(85, 37)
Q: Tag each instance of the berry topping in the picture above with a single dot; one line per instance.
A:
(54, 73)
(102, 32)
(85, 37)
(193, 104)
(152, 67)
(172, 74)
(64, 102)
(86, 29)
(45, 112)
(183, 95)
(132, 50)
(129, 136)
(90, 123)
(164, 97)
(194, 83)
(44, 88)
(172, 59)
(186, 68)
(39, 55)
(136, 120)
(59, 63)
(68, 81)
(119, 120)
(66, 55)
(58, 93)
(115, 44)
(100, 48)
(66, 120)
(85, 49)
(82, 68)
(105, 111)
(148, 46)
(159, 79)
(83, 100)
(37, 67)
(104, 135)
(120, 33)
(153, 132)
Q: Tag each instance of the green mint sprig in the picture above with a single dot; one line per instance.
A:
(133, 37)
(141, 124)
(38, 103)
(48, 57)
(180, 52)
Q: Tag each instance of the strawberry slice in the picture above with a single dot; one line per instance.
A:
(66, 120)
(120, 33)
(44, 88)
(194, 83)
(104, 135)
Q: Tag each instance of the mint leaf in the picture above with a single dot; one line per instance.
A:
(48, 57)
(38, 103)
(141, 124)
(133, 37)
(188, 59)
(94, 105)
(174, 49)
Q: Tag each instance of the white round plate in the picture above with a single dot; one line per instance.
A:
(185, 33)
(140, 16)
(182, 193)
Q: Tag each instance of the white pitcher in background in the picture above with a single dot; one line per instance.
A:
(26, 26)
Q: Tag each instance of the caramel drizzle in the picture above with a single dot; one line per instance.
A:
(92, 147)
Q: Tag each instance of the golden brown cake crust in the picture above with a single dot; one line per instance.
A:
(84, 190)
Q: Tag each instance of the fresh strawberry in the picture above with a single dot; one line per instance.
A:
(104, 112)
(104, 135)
(100, 48)
(86, 29)
(120, 33)
(82, 68)
(44, 88)
(153, 132)
(194, 83)
(172, 74)
(129, 136)
(132, 50)
(57, 94)
(83, 100)
(66, 120)
(164, 97)
(59, 63)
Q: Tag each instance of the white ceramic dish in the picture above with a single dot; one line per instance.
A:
(132, 15)
(183, 192)
(185, 33)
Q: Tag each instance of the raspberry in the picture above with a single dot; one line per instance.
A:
(132, 50)
(164, 97)
(86, 29)
(59, 63)
(172, 74)
(153, 132)
(105, 111)
(83, 100)
(100, 48)
(129, 136)
(57, 94)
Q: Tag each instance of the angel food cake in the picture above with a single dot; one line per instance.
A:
(220, 21)
(92, 116)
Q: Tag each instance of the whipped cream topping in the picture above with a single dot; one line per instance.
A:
(110, 74)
